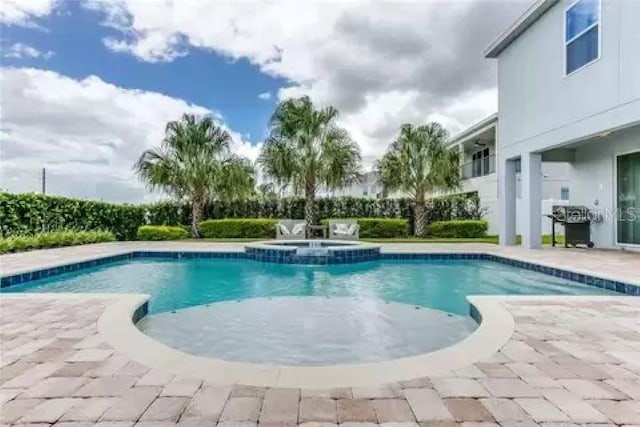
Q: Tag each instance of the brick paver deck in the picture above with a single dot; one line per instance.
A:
(569, 362)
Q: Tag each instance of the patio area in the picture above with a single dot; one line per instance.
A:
(569, 361)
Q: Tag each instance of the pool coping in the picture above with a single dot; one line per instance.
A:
(116, 325)
(496, 326)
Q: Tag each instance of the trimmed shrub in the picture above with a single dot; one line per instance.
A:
(53, 240)
(162, 232)
(168, 213)
(458, 228)
(255, 228)
(27, 214)
(30, 214)
(381, 228)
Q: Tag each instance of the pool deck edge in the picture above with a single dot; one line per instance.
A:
(119, 331)
(494, 331)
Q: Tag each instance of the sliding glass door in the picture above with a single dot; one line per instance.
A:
(628, 198)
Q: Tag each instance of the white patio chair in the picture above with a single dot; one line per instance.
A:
(344, 229)
(290, 229)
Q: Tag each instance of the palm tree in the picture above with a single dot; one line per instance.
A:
(194, 162)
(306, 149)
(266, 191)
(419, 163)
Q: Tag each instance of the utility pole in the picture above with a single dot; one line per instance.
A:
(44, 180)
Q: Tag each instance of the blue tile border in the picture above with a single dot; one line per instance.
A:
(333, 257)
(140, 312)
(340, 257)
(17, 279)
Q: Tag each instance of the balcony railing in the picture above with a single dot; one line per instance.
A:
(479, 167)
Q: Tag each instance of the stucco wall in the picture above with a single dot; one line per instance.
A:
(540, 107)
(593, 179)
(556, 176)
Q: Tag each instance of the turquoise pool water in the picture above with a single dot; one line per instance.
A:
(177, 284)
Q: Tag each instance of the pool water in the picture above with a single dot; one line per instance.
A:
(176, 284)
(247, 311)
(307, 330)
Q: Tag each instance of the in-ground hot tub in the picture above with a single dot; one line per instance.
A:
(312, 251)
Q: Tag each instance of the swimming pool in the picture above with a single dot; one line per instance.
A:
(180, 283)
(238, 309)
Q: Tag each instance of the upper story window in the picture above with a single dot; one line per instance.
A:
(481, 163)
(582, 34)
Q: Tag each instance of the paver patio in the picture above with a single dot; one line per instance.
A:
(569, 361)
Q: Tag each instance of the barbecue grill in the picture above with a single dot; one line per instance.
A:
(576, 221)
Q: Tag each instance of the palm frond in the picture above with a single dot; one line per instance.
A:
(305, 147)
(418, 162)
(190, 161)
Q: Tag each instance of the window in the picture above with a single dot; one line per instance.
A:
(628, 198)
(582, 34)
(564, 193)
(480, 163)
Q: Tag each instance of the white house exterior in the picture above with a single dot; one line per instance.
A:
(478, 149)
(369, 187)
(569, 90)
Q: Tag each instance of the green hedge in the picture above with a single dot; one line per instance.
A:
(26, 214)
(460, 206)
(162, 232)
(29, 214)
(380, 228)
(53, 240)
(257, 228)
(383, 227)
(458, 229)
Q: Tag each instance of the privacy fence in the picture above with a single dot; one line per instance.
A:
(26, 214)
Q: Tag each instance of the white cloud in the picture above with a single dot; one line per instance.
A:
(156, 47)
(265, 96)
(87, 133)
(380, 63)
(22, 12)
(21, 50)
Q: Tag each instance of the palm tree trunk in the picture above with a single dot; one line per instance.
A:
(420, 217)
(309, 207)
(196, 212)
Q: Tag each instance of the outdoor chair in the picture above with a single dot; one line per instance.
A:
(344, 229)
(290, 229)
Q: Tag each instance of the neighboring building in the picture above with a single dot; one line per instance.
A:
(569, 90)
(477, 146)
(369, 187)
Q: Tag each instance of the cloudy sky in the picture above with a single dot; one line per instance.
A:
(88, 84)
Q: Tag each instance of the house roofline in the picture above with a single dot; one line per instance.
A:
(480, 126)
(528, 18)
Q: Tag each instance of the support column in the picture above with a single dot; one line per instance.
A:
(532, 200)
(507, 201)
